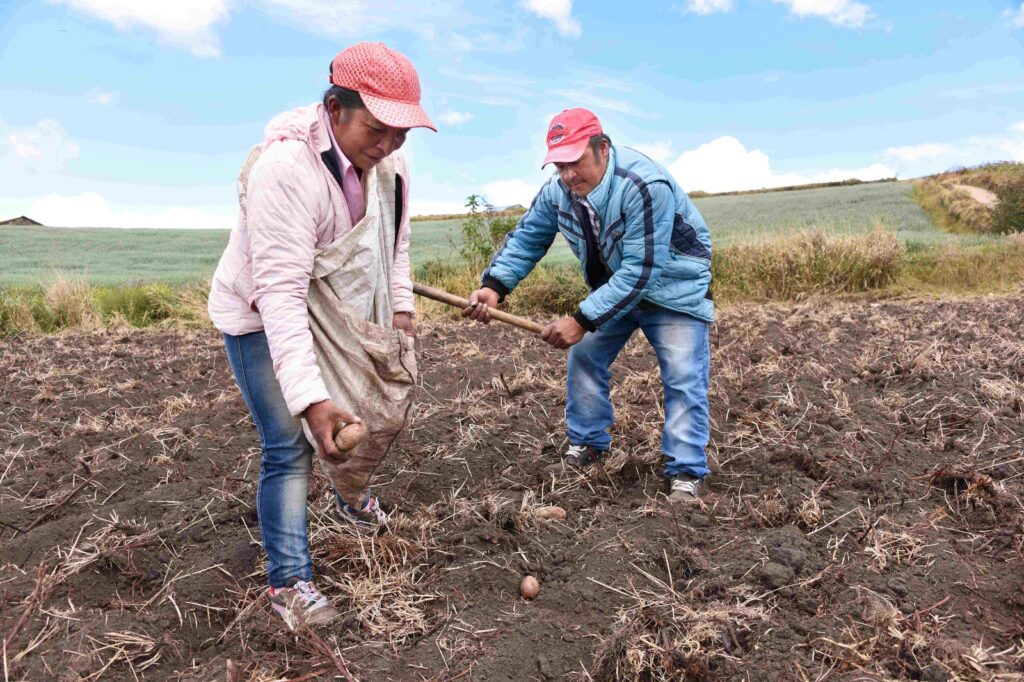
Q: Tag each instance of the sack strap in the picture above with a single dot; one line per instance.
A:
(399, 199)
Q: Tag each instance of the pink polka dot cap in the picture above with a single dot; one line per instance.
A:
(387, 82)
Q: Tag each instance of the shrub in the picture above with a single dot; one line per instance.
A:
(69, 303)
(952, 209)
(483, 231)
(137, 306)
(66, 302)
(1009, 212)
(810, 263)
(549, 290)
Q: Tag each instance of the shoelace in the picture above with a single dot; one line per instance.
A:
(310, 596)
(373, 506)
(575, 451)
(685, 486)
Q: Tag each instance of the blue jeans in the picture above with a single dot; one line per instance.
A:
(286, 464)
(684, 355)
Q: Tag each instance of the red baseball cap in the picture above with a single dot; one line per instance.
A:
(387, 82)
(568, 135)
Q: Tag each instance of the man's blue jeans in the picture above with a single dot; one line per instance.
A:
(286, 464)
(684, 355)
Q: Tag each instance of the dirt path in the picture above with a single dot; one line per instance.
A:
(863, 519)
(982, 196)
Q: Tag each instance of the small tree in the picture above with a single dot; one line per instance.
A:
(483, 230)
(1008, 215)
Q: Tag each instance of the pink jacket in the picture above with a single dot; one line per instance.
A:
(290, 207)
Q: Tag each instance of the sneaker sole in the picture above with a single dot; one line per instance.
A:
(362, 524)
(321, 617)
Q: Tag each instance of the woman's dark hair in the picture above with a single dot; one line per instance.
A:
(347, 99)
(596, 140)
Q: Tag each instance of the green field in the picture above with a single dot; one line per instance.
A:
(847, 209)
(30, 255)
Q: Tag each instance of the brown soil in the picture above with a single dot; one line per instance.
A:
(863, 521)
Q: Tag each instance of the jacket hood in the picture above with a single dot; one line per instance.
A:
(305, 124)
(599, 196)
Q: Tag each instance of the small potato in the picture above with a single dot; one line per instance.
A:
(350, 436)
(529, 588)
(550, 513)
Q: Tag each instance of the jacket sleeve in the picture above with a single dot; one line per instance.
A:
(645, 243)
(401, 280)
(525, 245)
(282, 205)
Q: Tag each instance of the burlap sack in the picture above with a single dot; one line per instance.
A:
(368, 366)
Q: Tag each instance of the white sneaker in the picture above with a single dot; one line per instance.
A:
(301, 602)
(684, 488)
(370, 515)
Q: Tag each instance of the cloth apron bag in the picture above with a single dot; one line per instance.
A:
(369, 367)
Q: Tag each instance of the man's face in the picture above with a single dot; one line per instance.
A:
(363, 139)
(585, 173)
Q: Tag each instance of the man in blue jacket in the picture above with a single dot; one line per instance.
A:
(645, 252)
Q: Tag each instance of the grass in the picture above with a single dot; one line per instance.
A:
(775, 246)
(854, 209)
(810, 263)
(108, 257)
(955, 210)
(791, 268)
(951, 208)
(68, 302)
(991, 176)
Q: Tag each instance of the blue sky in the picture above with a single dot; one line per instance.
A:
(132, 113)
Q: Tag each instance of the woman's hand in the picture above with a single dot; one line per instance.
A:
(322, 417)
(403, 321)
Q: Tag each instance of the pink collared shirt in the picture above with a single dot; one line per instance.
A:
(351, 186)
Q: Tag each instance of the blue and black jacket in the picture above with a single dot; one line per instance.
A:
(653, 244)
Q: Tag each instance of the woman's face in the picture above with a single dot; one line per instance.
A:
(363, 139)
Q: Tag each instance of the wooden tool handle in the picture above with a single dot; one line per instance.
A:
(459, 302)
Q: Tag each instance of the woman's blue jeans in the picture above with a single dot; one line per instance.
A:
(286, 464)
(684, 355)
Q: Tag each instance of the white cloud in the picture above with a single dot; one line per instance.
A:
(708, 6)
(724, 165)
(45, 147)
(436, 207)
(442, 24)
(846, 13)
(931, 157)
(916, 152)
(102, 97)
(92, 210)
(983, 91)
(659, 151)
(1016, 16)
(558, 11)
(185, 23)
(191, 24)
(455, 118)
(585, 98)
(595, 79)
(352, 18)
(507, 192)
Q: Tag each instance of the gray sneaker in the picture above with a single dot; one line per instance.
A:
(300, 602)
(575, 458)
(684, 488)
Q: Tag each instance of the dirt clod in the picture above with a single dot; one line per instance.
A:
(774, 575)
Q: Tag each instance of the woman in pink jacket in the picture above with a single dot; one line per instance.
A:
(302, 193)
